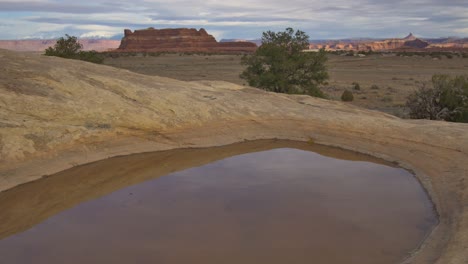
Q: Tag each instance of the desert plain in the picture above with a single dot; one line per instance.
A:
(385, 80)
(56, 114)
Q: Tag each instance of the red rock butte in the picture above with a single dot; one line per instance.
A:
(179, 40)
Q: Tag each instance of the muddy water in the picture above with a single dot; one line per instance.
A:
(280, 205)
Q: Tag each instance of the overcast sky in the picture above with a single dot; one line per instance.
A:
(246, 19)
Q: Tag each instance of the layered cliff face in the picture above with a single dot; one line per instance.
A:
(417, 43)
(179, 40)
(453, 45)
(409, 41)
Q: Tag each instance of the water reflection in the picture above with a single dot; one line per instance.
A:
(277, 206)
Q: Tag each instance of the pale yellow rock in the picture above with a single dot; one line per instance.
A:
(57, 113)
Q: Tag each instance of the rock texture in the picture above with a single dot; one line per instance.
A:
(409, 42)
(42, 44)
(57, 113)
(450, 46)
(179, 40)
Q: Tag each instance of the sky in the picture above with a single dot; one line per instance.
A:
(242, 19)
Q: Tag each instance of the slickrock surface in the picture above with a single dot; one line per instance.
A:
(179, 40)
(57, 113)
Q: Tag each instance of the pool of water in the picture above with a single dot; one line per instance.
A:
(281, 205)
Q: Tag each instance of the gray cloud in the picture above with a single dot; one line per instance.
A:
(77, 21)
(248, 18)
(242, 18)
(70, 8)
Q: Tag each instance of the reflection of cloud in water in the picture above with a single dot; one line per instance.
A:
(276, 206)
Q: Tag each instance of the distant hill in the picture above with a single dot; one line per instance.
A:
(410, 42)
(42, 44)
(256, 41)
(356, 44)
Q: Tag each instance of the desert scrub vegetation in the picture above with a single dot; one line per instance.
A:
(280, 65)
(347, 96)
(68, 47)
(387, 99)
(356, 86)
(446, 98)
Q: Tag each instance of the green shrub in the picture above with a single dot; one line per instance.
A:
(446, 99)
(387, 99)
(90, 56)
(279, 65)
(65, 47)
(356, 86)
(70, 48)
(374, 87)
(347, 96)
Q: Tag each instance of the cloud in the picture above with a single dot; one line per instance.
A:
(55, 7)
(236, 19)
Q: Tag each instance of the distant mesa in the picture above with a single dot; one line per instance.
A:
(179, 40)
(256, 41)
(192, 40)
(410, 42)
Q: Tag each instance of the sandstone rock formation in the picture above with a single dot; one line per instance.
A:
(57, 113)
(450, 46)
(417, 43)
(42, 44)
(410, 37)
(179, 40)
(410, 42)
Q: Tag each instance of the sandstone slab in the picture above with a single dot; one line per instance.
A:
(57, 113)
